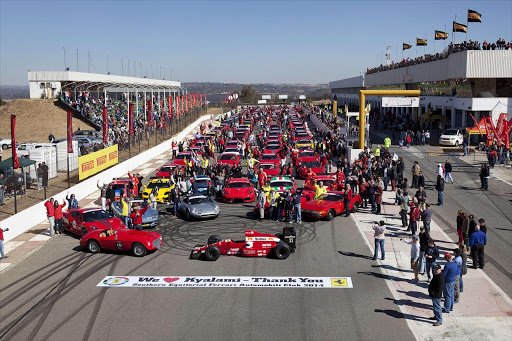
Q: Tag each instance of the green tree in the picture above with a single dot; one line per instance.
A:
(249, 95)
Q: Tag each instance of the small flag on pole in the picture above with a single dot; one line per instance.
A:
(421, 42)
(440, 35)
(406, 46)
(474, 16)
(459, 27)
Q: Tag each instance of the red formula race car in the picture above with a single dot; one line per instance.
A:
(238, 189)
(254, 245)
(81, 221)
(330, 205)
(138, 242)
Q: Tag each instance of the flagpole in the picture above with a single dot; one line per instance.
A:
(467, 22)
(444, 40)
(453, 31)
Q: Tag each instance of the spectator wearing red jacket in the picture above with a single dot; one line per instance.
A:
(59, 223)
(415, 217)
(136, 216)
(347, 198)
(378, 198)
(50, 213)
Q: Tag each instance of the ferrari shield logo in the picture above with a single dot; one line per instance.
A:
(339, 282)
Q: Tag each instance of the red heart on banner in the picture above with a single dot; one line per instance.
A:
(171, 279)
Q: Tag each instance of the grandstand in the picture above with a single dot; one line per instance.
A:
(455, 86)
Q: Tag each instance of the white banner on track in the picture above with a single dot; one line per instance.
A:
(225, 282)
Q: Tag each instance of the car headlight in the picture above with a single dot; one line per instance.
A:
(322, 212)
(251, 191)
(194, 210)
(154, 216)
(226, 192)
(216, 209)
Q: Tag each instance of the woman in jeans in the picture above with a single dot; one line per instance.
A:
(59, 224)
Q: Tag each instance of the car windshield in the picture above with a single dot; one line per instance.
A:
(326, 182)
(268, 157)
(22, 147)
(159, 184)
(332, 197)
(281, 183)
(239, 185)
(308, 153)
(450, 132)
(96, 215)
(232, 143)
(117, 187)
(267, 166)
(198, 200)
(202, 181)
(227, 157)
(304, 141)
(311, 164)
(182, 156)
(165, 170)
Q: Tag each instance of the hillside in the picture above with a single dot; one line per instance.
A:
(35, 120)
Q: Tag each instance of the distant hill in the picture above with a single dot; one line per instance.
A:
(8, 92)
(292, 90)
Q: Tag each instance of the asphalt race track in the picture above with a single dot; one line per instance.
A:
(52, 295)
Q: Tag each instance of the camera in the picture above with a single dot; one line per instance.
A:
(6, 230)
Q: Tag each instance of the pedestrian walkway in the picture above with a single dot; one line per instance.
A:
(29, 242)
(484, 311)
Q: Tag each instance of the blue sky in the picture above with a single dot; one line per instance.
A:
(230, 41)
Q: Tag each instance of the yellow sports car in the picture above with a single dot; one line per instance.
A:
(163, 186)
(304, 143)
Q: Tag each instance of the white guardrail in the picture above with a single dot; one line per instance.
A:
(34, 215)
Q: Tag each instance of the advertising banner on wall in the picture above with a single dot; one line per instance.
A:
(94, 163)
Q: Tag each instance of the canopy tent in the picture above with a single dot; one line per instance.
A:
(7, 163)
(480, 128)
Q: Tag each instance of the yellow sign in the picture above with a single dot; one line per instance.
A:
(93, 163)
(339, 282)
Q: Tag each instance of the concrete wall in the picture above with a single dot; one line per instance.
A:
(36, 214)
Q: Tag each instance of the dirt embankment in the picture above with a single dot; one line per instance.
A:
(35, 120)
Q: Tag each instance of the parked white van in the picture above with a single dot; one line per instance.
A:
(25, 148)
(452, 137)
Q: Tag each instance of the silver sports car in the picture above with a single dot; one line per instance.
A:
(150, 218)
(197, 206)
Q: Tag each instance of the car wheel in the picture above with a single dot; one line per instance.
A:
(279, 235)
(355, 207)
(139, 250)
(330, 215)
(214, 239)
(212, 253)
(456, 143)
(84, 231)
(93, 246)
(282, 251)
(4, 146)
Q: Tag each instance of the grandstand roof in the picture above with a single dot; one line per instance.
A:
(80, 79)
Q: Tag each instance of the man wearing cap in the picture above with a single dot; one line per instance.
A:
(435, 291)
(450, 275)
(477, 241)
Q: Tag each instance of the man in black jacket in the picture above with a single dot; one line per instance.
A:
(435, 291)
(440, 190)
(448, 171)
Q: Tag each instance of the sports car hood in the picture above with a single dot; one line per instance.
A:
(105, 224)
(316, 205)
(206, 207)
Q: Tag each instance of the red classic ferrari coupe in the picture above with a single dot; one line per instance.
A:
(138, 242)
(330, 205)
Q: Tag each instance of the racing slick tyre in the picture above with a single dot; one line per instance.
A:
(330, 215)
(93, 246)
(282, 251)
(212, 253)
(84, 231)
(355, 207)
(214, 239)
(139, 250)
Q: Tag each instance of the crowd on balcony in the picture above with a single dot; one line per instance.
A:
(500, 44)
